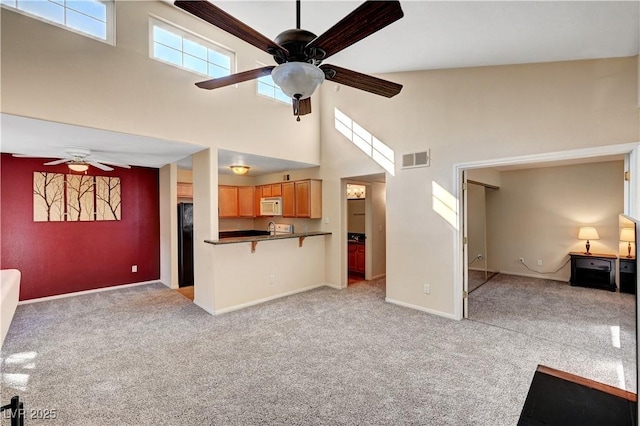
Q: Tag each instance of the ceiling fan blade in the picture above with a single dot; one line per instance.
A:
(100, 166)
(56, 162)
(361, 81)
(235, 78)
(221, 19)
(369, 17)
(109, 162)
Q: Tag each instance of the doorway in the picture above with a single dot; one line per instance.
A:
(364, 229)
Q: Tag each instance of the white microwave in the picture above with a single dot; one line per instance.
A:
(271, 206)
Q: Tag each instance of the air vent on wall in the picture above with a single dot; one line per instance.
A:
(416, 159)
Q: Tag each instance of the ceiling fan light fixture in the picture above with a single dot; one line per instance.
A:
(78, 167)
(297, 79)
(240, 169)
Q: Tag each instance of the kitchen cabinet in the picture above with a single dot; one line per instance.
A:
(356, 259)
(185, 190)
(288, 199)
(593, 270)
(227, 201)
(302, 198)
(236, 201)
(246, 201)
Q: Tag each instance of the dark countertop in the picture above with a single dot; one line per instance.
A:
(234, 240)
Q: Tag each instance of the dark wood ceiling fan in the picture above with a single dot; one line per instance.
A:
(299, 53)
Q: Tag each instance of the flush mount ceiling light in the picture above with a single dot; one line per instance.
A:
(77, 166)
(240, 169)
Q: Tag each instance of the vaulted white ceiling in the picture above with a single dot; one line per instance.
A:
(454, 34)
(432, 35)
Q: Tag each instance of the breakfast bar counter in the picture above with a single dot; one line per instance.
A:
(255, 239)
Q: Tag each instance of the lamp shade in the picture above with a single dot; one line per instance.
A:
(588, 233)
(628, 234)
(297, 79)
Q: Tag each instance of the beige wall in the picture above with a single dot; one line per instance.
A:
(463, 116)
(378, 236)
(355, 216)
(536, 214)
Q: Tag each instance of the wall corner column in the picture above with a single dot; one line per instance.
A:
(168, 225)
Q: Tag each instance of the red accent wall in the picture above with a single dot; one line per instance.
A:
(64, 257)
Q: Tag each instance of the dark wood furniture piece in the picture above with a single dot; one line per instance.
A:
(559, 398)
(593, 270)
(628, 281)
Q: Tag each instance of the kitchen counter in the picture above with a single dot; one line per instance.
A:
(257, 238)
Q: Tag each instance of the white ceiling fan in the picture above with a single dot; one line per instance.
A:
(79, 159)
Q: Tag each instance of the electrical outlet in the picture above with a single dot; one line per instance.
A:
(521, 260)
(326, 219)
(539, 262)
(427, 289)
(272, 279)
(134, 268)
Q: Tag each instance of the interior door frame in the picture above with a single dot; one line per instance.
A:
(631, 200)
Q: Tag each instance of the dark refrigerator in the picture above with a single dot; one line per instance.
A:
(185, 244)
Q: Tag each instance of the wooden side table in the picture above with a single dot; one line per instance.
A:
(627, 267)
(593, 270)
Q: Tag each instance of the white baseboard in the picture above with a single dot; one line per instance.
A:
(337, 287)
(378, 276)
(266, 299)
(80, 293)
(421, 308)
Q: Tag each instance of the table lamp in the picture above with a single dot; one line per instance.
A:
(628, 235)
(588, 233)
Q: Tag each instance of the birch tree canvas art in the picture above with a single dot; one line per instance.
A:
(108, 199)
(59, 197)
(48, 197)
(80, 197)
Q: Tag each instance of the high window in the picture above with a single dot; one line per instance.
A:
(88, 17)
(186, 50)
(363, 139)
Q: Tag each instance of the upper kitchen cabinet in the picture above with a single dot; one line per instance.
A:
(227, 201)
(185, 190)
(302, 198)
(309, 198)
(246, 201)
(288, 199)
(236, 201)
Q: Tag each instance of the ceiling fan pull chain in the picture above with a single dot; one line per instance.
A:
(296, 106)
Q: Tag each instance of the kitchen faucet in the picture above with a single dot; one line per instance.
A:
(271, 228)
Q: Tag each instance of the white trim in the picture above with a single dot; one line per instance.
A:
(629, 149)
(266, 299)
(184, 33)
(378, 276)
(421, 308)
(80, 293)
(336, 287)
